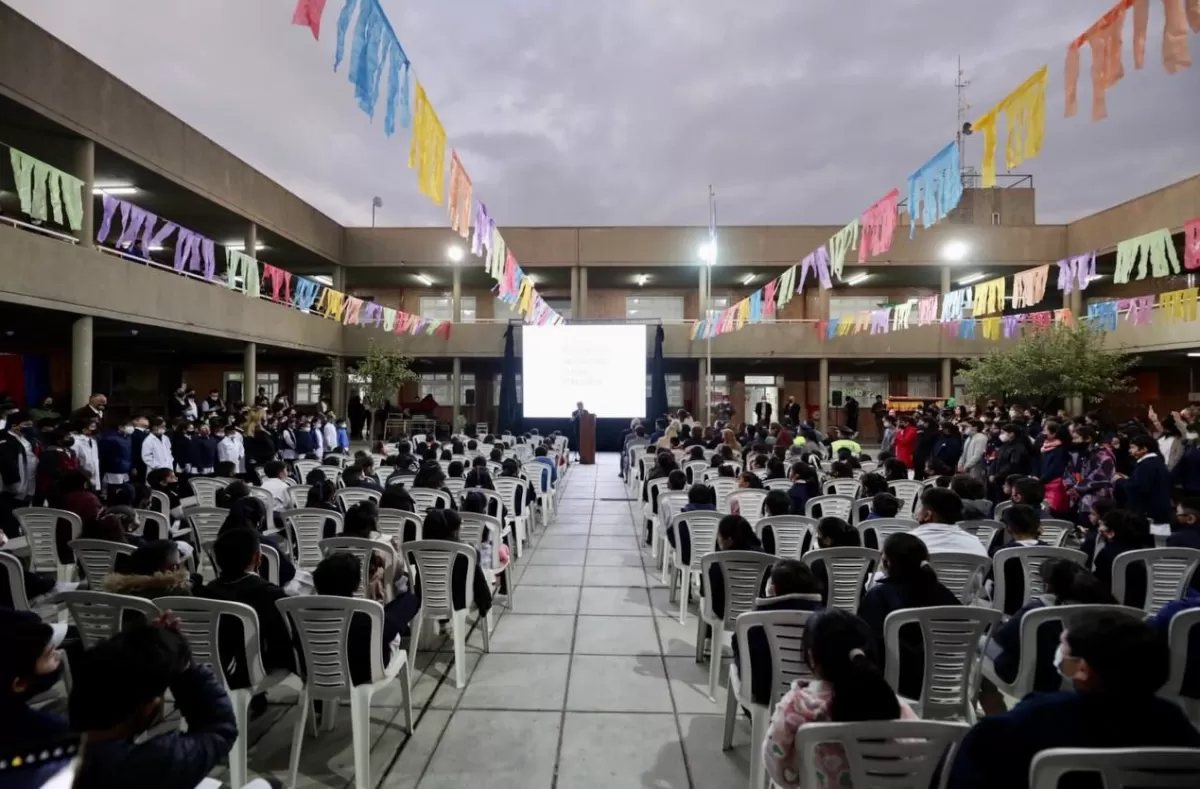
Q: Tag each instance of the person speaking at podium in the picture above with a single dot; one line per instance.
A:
(576, 418)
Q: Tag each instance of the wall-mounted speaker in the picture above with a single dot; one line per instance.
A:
(469, 396)
(835, 398)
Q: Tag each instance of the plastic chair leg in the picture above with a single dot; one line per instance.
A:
(731, 706)
(460, 649)
(406, 687)
(685, 577)
(360, 721)
(298, 738)
(239, 757)
(700, 639)
(760, 718)
(714, 659)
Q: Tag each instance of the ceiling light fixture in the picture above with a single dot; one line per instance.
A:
(857, 279)
(324, 279)
(1194, 354)
(955, 251)
(240, 246)
(746, 280)
(424, 280)
(707, 252)
(454, 252)
(641, 280)
(970, 279)
(114, 189)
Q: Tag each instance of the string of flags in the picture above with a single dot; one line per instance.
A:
(375, 52)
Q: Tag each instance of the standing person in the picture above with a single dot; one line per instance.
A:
(948, 446)
(974, 451)
(762, 411)
(1148, 490)
(906, 442)
(46, 411)
(927, 436)
(156, 447)
(793, 410)
(1013, 457)
(1052, 466)
(116, 457)
(723, 410)
(358, 417)
(576, 421)
(212, 405)
(87, 449)
(141, 429)
(878, 412)
(1090, 471)
(93, 410)
(18, 471)
(230, 450)
(851, 406)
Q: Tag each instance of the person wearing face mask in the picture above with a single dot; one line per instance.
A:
(927, 436)
(974, 450)
(116, 457)
(202, 450)
(30, 665)
(1013, 456)
(1148, 490)
(178, 406)
(1117, 664)
(939, 512)
(141, 429)
(1090, 472)
(18, 471)
(93, 410)
(45, 411)
(118, 695)
(212, 405)
(156, 447)
(230, 450)
(87, 449)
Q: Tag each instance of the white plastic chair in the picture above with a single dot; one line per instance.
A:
(1031, 558)
(392, 522)
(883, 528)
(701, 527)
(362, 548)
(750, 503)
(321, 624)
(306, 529)
(1178, 637)
(654, 489)
(199, 622)
(983, 529)
(264, 495)
(14, 580)
(1169, 573)
(908, 492)
(539, 474)
(788, 532)
(961, 573)
(1031, 622)
(723, 487)
(205, 490)
(455, 485)
(952, 635)
(39, 525)
(162, 524)
(831, 507)
(205, 523)
(425, 499)
(846, 568)
(512, 493)
(348, 497)
(1119, 768)
(694, 470)
(97, 558)
(298, 496)
(160, 502)
(98, 616)
(901, 754)
(1055, 532)
(670, 503)
(1000, 507)
(301, 468)
(744, 575)
(434, 560)
(842, 487)
(777, 484)
(475, 526)
(856, 512)
(785, 639)
(401, 479)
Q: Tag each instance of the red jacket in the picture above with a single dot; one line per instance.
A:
(906, 444)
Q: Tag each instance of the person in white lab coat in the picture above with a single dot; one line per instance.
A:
(230, 450)
(156, 449)
(329, 433)
(87, 449)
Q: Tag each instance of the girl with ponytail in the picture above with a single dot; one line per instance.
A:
(909, 582)
(442, 524)
(849, 686)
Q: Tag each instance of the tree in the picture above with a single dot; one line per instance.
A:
(383, 371)
(1055, 362)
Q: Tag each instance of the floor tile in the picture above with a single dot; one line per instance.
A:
(541, 575)
(517, 682)
(710, 767)
(551, 556)
(689, 685)
(613, 601)
(609, 543)
(613, 559)
(613, 576)
(415, 752)
(602, 750)
(529, 599)
(618, 684)
(612, 529)
(571, 543)
(515, 751)
(569, 527)
(616, 635)
(533, 634)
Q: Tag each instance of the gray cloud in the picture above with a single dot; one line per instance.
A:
(623, 112)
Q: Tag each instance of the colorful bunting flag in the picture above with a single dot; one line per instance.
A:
(241, 270)
(280, 282)
(308, 14)
(990, 328)
(1025, 112)
(40, 186)
(351, 310)
(306, 294)
(460, 197)
(901, 314)
(842, 242)
(1103, 315)
(134, 220)
(927, 311)
(374, 50)
(936, 187)
(878, 226)
(1076, 273)
(1153, 251)
(428, 150)
(195, 253)
(1141, 309)
(1179, 305)
(1105, 39)
(1191, 235)
(989, 297)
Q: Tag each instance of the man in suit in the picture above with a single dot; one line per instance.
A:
(762, 411)
(93, 410)
(576, 418)
(1148, 491)
(793, 410)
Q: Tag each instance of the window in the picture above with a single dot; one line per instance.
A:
(995, 217)
(674, 390)
(441, 386)
(266, 381)
(441, 308)
(841, 307)
(862, 388)
(922, 385)
(496, 390)
(719, 386)
(649, 308)
(563, 308)
(717, 303)
(308, 389)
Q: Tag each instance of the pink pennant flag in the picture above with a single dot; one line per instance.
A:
(878, 226)
(1141, 309)
(353, 311)
(927, 311)
(1041, 320)
(1191, 243)
(768, 299)
(308, 14)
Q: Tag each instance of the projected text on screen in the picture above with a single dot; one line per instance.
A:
(602, 366)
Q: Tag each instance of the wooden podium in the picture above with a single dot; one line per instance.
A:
(587, 439)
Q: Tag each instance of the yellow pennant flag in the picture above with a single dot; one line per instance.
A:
(1179, 305)
(428, 150)
(525, 296)
(991, 328)
(989, 297)
(743, 312)
(332, 304)
(1025, 115)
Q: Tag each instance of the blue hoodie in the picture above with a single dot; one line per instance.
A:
(116, 453)
(343, 438)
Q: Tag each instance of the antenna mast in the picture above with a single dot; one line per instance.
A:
(963, 129)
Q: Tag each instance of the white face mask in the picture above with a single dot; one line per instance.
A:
(1058, 663)
(1193, 436)
(1006, 437)
(127, 430)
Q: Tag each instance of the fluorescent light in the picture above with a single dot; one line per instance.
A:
(1194, 354)
(955, 250)
(1095, 277)
(707, 252)
(857, 279)
(454, 252)
(114, 188)
(156, 248)
(641, 279)
(533, 278)
(970, 279)
(324, 279)
(746, 280)
(424, 280)
(240, 246)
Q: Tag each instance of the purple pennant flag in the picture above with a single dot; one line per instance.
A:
(195, 253)
(880, 320)
(131, 225)
(371, 313)
(1011, 324)
(1140, 309)
(1077, 272)
(110, 208)
(149, 240)
(483, 230)
(818, 260)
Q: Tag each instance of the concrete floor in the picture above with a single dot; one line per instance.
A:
(591, 681)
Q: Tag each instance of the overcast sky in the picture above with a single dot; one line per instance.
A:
(624, 111)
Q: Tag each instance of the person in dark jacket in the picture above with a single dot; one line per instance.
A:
(792, 587)
(927, 436)
(1117, 663)
(1186, 533)
(1148, 489)
(804, 486)
(1120, 531)
(116, 456)
(141, 429)
(910, 582)
(29, 666)
(948, 446)
(441, 524)
(118, 694)
(353, 477)
(237, 554)
(1186, 474)
(1014, 456)
(202, 451)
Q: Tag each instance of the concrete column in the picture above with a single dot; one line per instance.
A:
(456, 385)
(582, 293)
(575, 291)
(456, 295)
(823, 396)
(251, 240)
(85, 169)
(250, 372)
(338, 275)
(703, 396)
(945, 279)
(81, 361)
(338, 401)
(703, 292)
(947, 379)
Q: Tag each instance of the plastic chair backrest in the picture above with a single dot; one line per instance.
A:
(670, 503)
(694, 469)
(856, 511)
(434, 560)
(952, 635)
(303, 467)
(1000, 507)
(39, 525)
(334, 461)
(200, 619)
(321, 625)
(831, 506)
(391, 522)
(723, 487)
(1119, 768)
(908, 491)
(1179, 634)
(98, 557)
(348, 497)
(785, 639)
(512, 493)
(205, 490)
(298, 496)
(495, 503)
(1031, 558)
(14, 573)
(270, 557)
(161, 522)
(1055, 532)
(98, 616)
(425, 499)
(788, 531)
(902, 754)
(846, 568)
(160, 502)
(205, 523)
(744, 575)
(1169, 573)
(842, 487)
(983, 529)
(701, 526)
(883, 528)
(653, 486)
(306, 528)
(475, 525)
(362, 548)
(778, 484)
(961, 573)
(264, 495)
(539, 475)
(750, 503)
(455, 485)
(401, 479)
